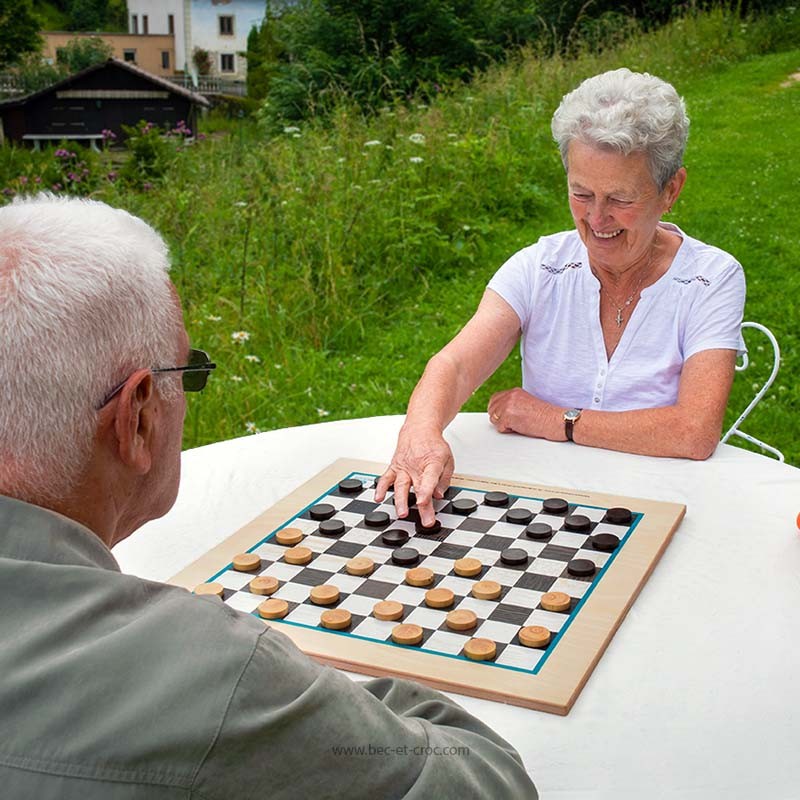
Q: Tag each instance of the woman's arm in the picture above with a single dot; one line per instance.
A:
(689, 429)
(422, 457)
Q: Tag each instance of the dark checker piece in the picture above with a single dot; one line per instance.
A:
(395, 538)
(322, 511)
(376, 518)
(331, 527)
(435, 528)
(514, 556)
(581, 567)
(619, 516)
(577, 522)
(405, 556)
(539, 530)
(350, 486)
(519, 516)
(607, 542)
(555, 505)
(495, 499)
(465, 506)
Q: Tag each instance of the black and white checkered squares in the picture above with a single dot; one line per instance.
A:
(482, 535)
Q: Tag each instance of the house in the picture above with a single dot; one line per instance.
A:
(154, 53)
(102, 97)
(220, 27)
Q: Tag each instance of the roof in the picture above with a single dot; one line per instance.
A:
(194, 97)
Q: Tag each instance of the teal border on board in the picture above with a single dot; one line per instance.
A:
(637, 517)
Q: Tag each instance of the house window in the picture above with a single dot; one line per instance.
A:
(129, 56)
(165, 59)
(134, 23)
(226, 62)
(226, 26)
(171, 24)
(145, 24)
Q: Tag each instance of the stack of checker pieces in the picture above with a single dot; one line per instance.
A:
(496, 578)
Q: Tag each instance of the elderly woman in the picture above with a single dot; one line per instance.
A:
(629, 327)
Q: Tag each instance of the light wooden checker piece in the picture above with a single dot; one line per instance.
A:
(566, 663)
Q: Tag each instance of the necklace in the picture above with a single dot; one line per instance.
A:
(620, 306)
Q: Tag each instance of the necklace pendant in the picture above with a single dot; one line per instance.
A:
(619, 317)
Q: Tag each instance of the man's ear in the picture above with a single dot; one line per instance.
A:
(134, 420)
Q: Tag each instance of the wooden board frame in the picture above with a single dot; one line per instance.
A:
(556, 685)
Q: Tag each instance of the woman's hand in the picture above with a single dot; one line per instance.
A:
(423, 459)
(517, 411)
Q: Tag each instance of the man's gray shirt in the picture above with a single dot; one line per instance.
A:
(116, 687)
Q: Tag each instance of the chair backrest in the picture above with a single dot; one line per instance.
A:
(734, 429)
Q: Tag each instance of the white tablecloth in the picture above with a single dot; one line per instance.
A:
(698, 694)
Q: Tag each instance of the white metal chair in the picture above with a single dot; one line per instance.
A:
(734, 429)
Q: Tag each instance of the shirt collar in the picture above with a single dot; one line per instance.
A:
(33, 533)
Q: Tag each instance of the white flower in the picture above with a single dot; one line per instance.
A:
(212, 318)
(237, 378)
(240, 336)
(240, 204)
(340, 160)
(251, 427)
(322, 412)
(253, 359)
(278, 366)
(291, 129)
(417, 138)
(295, 136)
(452, 136)
(465, 228)
(372, 143)
(308, 390)
(416, 159)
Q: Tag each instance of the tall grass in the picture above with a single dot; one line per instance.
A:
(348, 250)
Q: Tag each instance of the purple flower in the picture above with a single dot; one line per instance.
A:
(37, 179)
(8, 192)
(23, 179)
(201, 137)
(108, 134)
(73, 177)
(62, 153)
(147, 186)
(57, 187)
(112, 176)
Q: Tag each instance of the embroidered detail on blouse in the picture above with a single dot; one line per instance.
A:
(700, 278)
(559, 270)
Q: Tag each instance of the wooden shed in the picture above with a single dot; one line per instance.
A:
(102, 97)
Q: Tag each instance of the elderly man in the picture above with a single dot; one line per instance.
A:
(117, 687)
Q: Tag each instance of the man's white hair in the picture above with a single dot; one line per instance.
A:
(627, 112)
(85, 301)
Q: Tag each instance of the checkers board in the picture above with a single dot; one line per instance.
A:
(548, 677)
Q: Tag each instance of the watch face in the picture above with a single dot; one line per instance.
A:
(572, 414)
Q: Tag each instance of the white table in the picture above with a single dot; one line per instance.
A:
(698, 695)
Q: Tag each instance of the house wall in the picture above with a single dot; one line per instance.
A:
(206, 31)
(148, 49)
(157, 13)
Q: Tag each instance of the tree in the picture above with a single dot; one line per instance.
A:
(19, 30)
(83, 52)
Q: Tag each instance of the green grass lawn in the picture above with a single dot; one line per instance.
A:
(743, 178)
(324, 266)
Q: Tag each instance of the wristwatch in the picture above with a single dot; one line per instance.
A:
(571, 416)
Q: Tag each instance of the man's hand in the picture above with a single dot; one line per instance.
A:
(517, 411)
(423, 459)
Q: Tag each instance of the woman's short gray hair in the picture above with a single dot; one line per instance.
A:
(85, 300)
(627, 112)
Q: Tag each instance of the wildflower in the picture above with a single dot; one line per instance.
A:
(372, 143)
(278, 366)
(291, 129)
(37, 179)
(466, 228)
(250, 427)
(201, 137)
(253, 359)
(340, 160)
(321, 412)
(147, 186)
(57, 187)
(8, 192)
(240, 204)
(452, 136)
(108, 135)
(308, 391)
(237, 378)
(112, 176)
(296, 136)
(416, 159)
(417, 138)
(23, 179)
(240, 336)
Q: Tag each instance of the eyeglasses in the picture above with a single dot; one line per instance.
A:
(195, 375)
